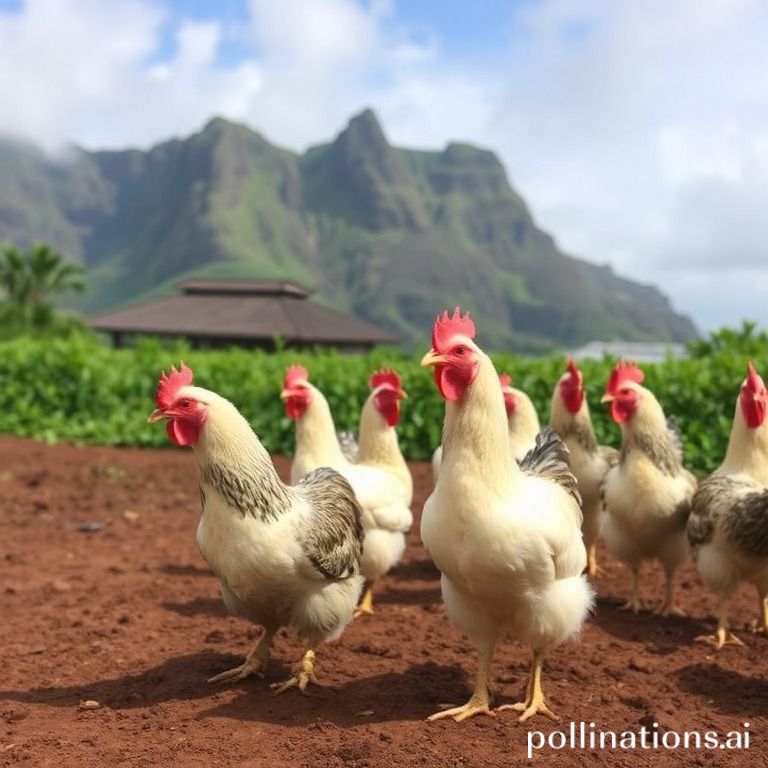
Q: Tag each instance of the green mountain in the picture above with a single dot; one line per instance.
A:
(390, 235)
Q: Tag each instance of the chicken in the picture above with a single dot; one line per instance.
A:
(647, 495)
(285, 556)
(569, 417)
(380, 479)
(728, 526)
(522, 423)
(505, 536)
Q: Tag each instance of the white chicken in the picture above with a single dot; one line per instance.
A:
(506, 537)
(728, 526)
(647, 495)
(380, 479)
(522, 423)
(569, 417)
(285, 556)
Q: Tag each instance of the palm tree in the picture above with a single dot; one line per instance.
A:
(31, 278)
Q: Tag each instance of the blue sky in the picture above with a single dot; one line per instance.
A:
(636, 131)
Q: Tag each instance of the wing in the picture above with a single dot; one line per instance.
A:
(675, 436)
(609, 455)
(348, 444)
(737, 506)
(381, 498)
(549, 459)
(333, 538)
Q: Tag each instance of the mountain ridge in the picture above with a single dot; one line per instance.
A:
(391, 235)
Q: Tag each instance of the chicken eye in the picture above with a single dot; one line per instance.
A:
(460, 351)
(185, 403)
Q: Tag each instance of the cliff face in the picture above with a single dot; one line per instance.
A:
(391, 235)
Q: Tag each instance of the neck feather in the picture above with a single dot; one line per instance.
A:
(316, 441)
(747, 450)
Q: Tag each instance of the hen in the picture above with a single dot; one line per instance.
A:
(569, 417)
(506, 537)
(647, 495)
(381, 481)
(285, 556)
(522, 422)
(728, 526)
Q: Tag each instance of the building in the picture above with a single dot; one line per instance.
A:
(219, 313)
(636, 351)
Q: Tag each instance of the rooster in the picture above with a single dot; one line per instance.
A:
(569, 417)
(728, 526)
(285, 556)
(522, 422)
(506, 537)
(380, 479)
(647, 495)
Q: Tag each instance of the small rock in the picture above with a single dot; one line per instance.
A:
(130, 515)
(92, 526)
(364, 713)
(90, 704)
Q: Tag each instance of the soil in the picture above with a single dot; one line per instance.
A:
(104, 598)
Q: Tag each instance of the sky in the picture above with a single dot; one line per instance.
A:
(636, 131)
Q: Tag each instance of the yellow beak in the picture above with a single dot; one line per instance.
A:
(606, 398)
(157, 415)
(432, 358)
(285, 394)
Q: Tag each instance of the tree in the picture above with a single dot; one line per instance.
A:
(29, 280)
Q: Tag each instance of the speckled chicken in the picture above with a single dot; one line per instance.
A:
(569, 417)
(728, 526)
(647, 495)
(522, 423)
(286, 556)
(505, 536)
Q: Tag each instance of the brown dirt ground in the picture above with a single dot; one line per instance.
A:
(129, 616)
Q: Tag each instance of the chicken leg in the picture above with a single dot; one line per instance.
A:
(303, 674)
(593, 569)
(762, 621)
(669, 607)
(365, 606)
(254, 664)
(634, 603)
(723, 635)
(479, 702)
(534, 703)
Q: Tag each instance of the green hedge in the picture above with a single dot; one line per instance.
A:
(76, 389)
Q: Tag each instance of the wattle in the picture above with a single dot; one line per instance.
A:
(450, 382)
(182, 432)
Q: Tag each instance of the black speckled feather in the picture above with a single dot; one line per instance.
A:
(334, 541)
(736, 506)
(549, 459)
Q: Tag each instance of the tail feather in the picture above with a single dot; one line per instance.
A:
(549, 459)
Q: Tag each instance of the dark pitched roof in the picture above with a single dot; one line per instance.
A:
(247, 311)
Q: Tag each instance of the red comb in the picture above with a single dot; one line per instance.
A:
(293, 374)
(621, 374)
(170, 384)
(754, 382)
(446, 327)
(573, 369)
(384, 376)
(505, 380)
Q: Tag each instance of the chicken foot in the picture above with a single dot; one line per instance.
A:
(534, 703)
(479, 702)
(254, 664)
(303, 674)
(365, 606)
(723, 635)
